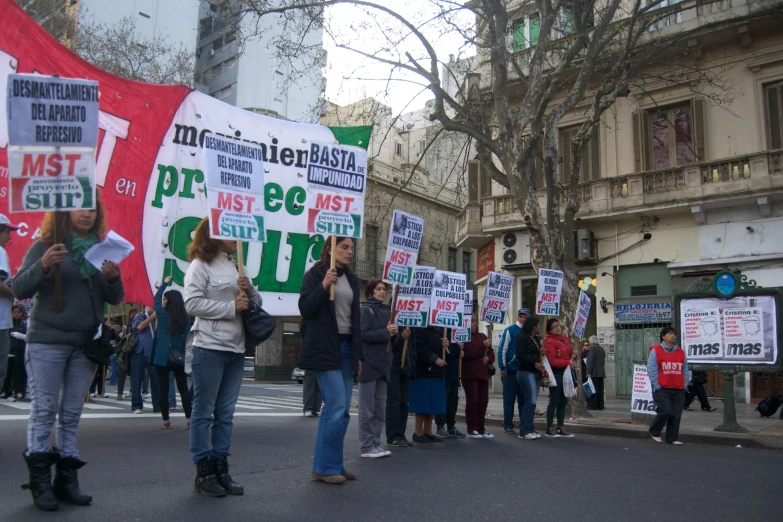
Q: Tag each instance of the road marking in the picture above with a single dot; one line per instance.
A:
(157, 415)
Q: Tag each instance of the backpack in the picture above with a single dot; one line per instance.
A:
(769, 406)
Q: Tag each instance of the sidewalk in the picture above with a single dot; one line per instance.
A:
(615, 421)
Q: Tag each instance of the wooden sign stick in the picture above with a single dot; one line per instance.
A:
(334, 247)
(393, 315)
(445, 338)
(404, 349)
(241, 259)
(58, 280)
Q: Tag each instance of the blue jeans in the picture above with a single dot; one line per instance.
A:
(217, 378)
(115, 369)
(528, 387)
(139, 369)
(511, 395)
(336, 387)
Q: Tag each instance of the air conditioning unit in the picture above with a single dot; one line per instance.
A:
(516, 248)
(584, 244)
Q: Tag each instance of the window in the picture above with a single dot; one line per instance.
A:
(773, 115)
(479, 182)
(371, 245)
(222, 94)
(452, 259)
(205, 27)
(398, 148)
(525, 33)
(644, 290)
(670, 137)
(466, 267)
(217, 44)
(228, 64)
(590, 168)
(230, 37)
(422, 146)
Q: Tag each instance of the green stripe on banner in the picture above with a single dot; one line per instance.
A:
(356, 136)
(261, 229)
(87, 188)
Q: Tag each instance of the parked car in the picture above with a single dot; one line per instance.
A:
(297, 375)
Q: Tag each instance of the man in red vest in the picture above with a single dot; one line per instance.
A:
(667, 368)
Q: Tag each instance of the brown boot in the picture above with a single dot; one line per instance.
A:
(329, 479)
(348, 475)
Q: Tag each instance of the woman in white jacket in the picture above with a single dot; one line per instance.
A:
(215, 295)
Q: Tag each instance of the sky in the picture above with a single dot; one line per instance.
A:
(351, 77)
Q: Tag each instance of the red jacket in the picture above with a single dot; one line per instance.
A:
(472, 367)
(558, 351)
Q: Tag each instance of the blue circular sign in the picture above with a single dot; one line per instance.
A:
(726, 284)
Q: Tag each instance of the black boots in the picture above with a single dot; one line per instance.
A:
(224, 479)
(40, 466)
(66, 482)
(206, 480)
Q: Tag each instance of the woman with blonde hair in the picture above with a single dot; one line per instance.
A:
(58, 372)
(215, 295)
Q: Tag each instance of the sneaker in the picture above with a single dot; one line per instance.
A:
(487, 435)
(434, 438)
(475, 435)
(145, 396)
(509, 431)
(11, 399)
(443, 433)
(386, 453)
(106, 395)
(410, 444)
(564, 433)
(550, 432)
(316, 413)
(373, 453)
(709, 409)
(656, 439)
(687, 409)
(137, 411)
(539, 413)
(308, 413)
(454, 432)
(528, 436)
(399, 443)
(119, 397)
(677, 443)
(538, 435)
(166, 425)
(93, 395)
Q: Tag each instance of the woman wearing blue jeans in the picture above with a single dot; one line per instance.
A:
(59, 374)
(332, 349)
(529, 352)
(215, 295)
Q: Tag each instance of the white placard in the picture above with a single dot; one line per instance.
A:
(642, 397)
(550, 288)
(496, 298)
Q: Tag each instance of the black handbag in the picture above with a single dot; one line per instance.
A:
(176, 358)
(491, 368)
(258, 325)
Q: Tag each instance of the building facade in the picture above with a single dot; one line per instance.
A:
(675, 187)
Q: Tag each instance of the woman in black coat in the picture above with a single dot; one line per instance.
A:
(428, 389)
(332, 349)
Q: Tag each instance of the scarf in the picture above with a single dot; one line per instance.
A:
(79, 247)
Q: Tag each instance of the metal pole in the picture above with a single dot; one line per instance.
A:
(729, 409)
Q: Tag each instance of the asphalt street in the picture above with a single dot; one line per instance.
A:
(137, 471)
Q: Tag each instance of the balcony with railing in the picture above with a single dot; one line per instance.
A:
(469, 231)
(718, 182)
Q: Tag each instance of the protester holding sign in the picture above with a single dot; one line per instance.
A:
(59, 373)
(332, 348)
(558, 353)
(215, 295)
(667, 367)
(475, 380)
(428, 388)
(376, 368)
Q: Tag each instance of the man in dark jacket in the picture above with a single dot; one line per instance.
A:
(596, 370)
(528, 355)
(447, 424)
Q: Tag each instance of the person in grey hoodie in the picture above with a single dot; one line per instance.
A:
(59, 374)
(376, 334)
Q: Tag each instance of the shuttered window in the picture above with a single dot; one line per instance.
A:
(479, 182)
(590, 169)
(773, 115)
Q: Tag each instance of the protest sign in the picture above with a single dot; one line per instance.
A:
(550, 288)
(52, 135)
(413, 302)
(152, 176)
(642, 397)
(496, 298)
(462, 335)
(336, 181)
(741, 330)
(448, 299)
(405, 236)
(235, 186)
(582, 314)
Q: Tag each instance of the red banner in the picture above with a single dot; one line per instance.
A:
(133, 116)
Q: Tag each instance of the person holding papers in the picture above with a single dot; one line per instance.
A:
(59, 374)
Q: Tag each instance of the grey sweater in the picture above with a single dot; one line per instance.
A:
(75, 325)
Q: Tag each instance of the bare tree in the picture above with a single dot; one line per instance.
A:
(58, 17)
(587, 54)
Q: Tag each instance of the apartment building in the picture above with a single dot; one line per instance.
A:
(674, 188)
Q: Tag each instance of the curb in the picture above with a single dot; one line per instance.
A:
(640, 433)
